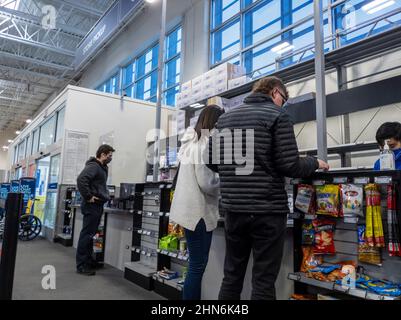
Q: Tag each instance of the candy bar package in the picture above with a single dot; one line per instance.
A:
(328, 200)
(352, 199)
(305, 199)
(366, 253)
(324, 236)
(308, 233)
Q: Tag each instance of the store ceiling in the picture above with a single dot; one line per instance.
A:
(36, 61)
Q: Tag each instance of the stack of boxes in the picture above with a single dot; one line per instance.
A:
(212, 83)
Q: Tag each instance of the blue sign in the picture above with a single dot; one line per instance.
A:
(104, 29)
(14, 186)
(97, 36)
(28, 189)
(52, 186)
(4, 190)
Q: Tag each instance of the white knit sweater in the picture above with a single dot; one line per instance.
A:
(196, 195)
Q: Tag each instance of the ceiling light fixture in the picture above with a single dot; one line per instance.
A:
(17, 132)
(280, 46)
(377, 5)
(286, 49)
(28, 121)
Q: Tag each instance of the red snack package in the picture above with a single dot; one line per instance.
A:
(324, 236)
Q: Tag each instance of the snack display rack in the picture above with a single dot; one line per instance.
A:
(346, 237)
(65, 219)
(150, 209)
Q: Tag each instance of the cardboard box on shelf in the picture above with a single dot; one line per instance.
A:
(237, 82)
(219, 101)
(237, 101)
(179, 101)
(221, 88)
(230, 70)
(187, 86)
(197, 81)
(207, 76)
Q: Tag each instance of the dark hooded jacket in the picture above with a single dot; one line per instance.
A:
(275, 157)
(92, 181)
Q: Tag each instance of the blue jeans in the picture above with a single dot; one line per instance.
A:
(198, 243)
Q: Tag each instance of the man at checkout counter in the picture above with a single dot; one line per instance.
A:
(92, 184)
(388, 136)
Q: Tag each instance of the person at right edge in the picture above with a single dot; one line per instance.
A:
(92, 184)
(256, 205)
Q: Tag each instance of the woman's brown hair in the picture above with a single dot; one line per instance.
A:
(208, 118)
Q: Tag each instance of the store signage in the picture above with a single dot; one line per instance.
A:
(28, 189)
(14, 186)
(127, 7)
(4, 190)
(97, 36)
(383, 180)
(104, 28)
(339, 180)
(52, 186)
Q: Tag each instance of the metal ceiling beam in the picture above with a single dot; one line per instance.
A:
(35, 61)
(32, 73)
(39, 101)
(17, 82)
(65, 29)
(78, 5)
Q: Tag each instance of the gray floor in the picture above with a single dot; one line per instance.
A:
(108, 284)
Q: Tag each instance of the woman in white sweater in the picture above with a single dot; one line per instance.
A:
(195, 204)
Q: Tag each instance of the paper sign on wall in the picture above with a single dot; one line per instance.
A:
(76, 153)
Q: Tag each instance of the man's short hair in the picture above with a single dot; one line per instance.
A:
(105, 148)
(266, 86)
(388, 130)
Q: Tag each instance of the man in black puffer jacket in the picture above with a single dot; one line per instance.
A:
(92, 184)
(256, 203)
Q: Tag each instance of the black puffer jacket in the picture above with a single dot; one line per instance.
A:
(92, 181)
(276, 157)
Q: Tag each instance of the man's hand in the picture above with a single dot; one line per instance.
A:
(93, 199)
(323, 165)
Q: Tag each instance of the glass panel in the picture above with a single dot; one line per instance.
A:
(60, 124)
(35, 141)
(28, 146)
(21, 150)
(147, 62)
(47, 132)
(173, 72)
(171, 95)
(147, 87)
(225, 42)
(257, 27)
(51, 197)
(128, 74)
(173, 43)
(130, 91)
(222, 10)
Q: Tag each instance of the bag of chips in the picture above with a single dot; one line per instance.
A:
(328, 200)
(305, 199)
(309, 260)
(352, 199)
(324, 236)
(367, 253)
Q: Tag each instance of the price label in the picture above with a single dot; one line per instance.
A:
(161, 214)
(383, 180)
(295, 181)
(139, 212)
(319, 183)
(361, 180)
(164, 252)
(158, 250)
(167, 214)
(339, 180)
(293, 276)
(352, 220)
(148, 233)
(149, 214)
(143, 252)
(148, 254)
(131, 211)
(139, 231)
(137, 250)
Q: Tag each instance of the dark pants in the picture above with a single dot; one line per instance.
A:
(92, 214)
(264, 235)
(198, 242)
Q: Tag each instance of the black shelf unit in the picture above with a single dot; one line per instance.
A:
(67, 235)
(360, 177)
(151, 206)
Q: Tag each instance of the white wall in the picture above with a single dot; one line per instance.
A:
(99, 114)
